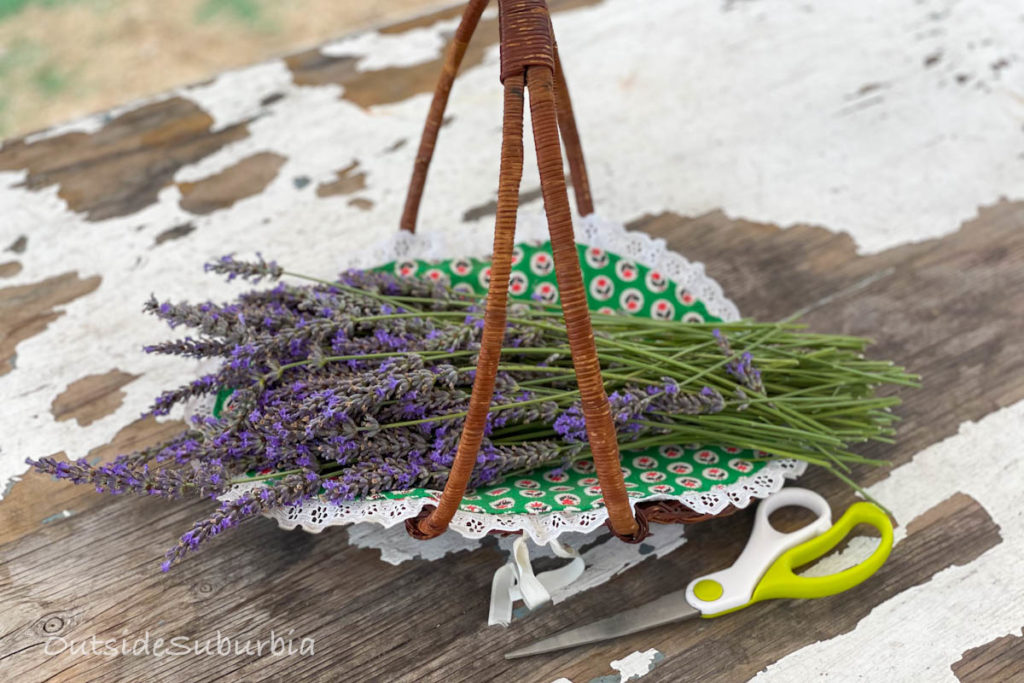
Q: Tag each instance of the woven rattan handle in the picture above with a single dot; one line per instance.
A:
(435, 118)
(527, 56)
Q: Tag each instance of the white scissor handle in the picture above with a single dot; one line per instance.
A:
(735, 586)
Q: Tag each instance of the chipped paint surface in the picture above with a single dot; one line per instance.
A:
(604, 559)
(396, 546)
(895, 134)
(376, 51)
(637, 665)
(63, 514)
(961, 607)
(223, 99)
(90, 398)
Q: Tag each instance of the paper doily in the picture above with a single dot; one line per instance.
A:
(543, 528)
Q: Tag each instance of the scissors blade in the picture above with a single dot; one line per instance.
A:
(667, 609)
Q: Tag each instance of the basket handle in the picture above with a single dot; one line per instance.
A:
(435, 117)
(527, 62)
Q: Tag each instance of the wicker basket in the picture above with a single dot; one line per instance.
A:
(530, 63)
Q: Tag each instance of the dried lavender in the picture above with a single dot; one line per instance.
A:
(350, 388)
(293, 489)
(247, 270)
(741, 368)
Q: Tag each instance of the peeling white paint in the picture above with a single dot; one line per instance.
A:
(637, 664)
(918, 634)
(87, 124)
(377, 51)
(609, 559)
(855, 552)
(380, 51)
(220, 97)
(396, 546)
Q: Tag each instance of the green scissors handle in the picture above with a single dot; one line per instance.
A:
(780, 581)
(765, 570)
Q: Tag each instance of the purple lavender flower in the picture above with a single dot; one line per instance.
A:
(247, 270)
(291, 490)
(742, 368)
(744, 371)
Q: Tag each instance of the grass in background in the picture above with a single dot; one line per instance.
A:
(27, 70)
(8, 8)
(250, 13)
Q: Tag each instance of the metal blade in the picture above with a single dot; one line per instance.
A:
(667, 609)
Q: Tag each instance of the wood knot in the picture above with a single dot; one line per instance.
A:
(54, 624)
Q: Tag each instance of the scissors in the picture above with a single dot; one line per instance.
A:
(763, 571)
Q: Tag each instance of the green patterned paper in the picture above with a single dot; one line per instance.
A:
(614, 285)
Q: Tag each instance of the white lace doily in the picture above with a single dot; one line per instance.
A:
(541, 528)
(469, 240)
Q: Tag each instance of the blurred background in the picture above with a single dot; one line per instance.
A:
(60, 59)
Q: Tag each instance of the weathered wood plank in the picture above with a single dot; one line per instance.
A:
(1000, 660)
(174, 233)
(121, 168)
(92, 397)
(10, 268)
(246, 178)
(356, 606)
(949, 308)
(393, 84)
(736, 647)
(36, 501)
(350, 179)
(26, 310)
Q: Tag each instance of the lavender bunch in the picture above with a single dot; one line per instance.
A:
(348, 388)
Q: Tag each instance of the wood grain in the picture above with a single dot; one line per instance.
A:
(951, 309)
(361, 203)
(26, 310)
(19, 245)
(76, 564)
(737, 647)
(10, 268)
(246, 178)
(121, 168)
(92, 397)
(35, 500)
(174, 233)
(1000, 660)
(348, 180)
